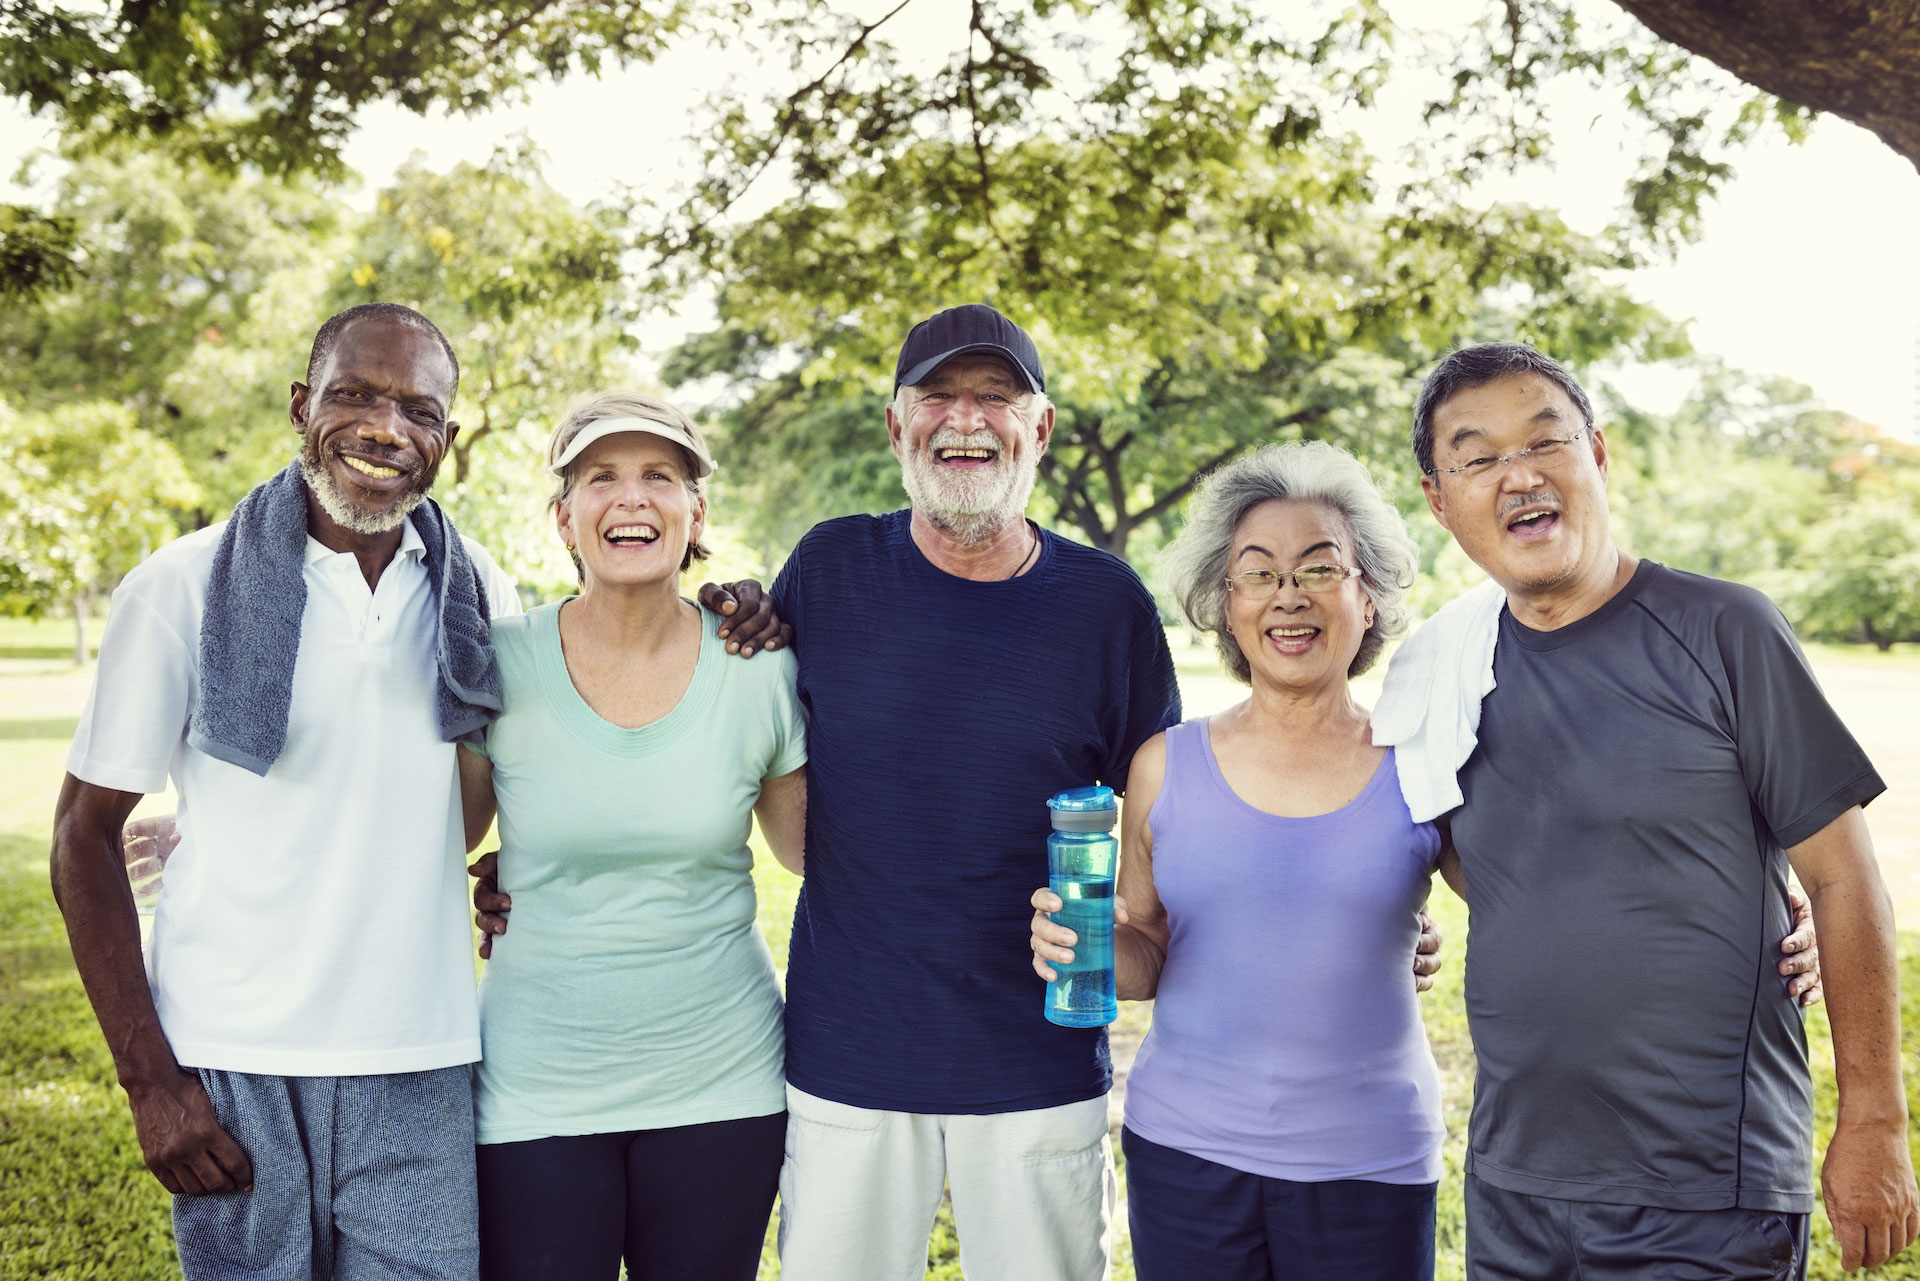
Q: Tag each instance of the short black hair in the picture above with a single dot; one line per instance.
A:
(1475, 367)
(323, 342)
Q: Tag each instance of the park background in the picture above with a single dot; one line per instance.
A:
(1225, 224)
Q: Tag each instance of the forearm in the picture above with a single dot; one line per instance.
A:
(90, 886)
(1860, 972)
(1137, 958)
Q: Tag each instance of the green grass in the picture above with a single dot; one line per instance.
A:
(78, 1204)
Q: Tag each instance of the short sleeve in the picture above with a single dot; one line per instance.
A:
(1151, 699)
(1802, 766)
(136, 715)
(789, 718)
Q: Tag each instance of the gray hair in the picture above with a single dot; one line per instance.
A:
(624, 404)
(1477, 366)
(1195, 563)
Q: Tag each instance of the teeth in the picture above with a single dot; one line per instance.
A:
(1289, 633)
(1531, 516)
(643, 533)
(378, 473)
(966, 453)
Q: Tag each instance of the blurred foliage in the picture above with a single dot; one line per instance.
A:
(1753, 480)
(89, 494)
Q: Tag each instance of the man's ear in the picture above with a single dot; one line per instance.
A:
(297, 406)
(1431, 488)
(1043, 429)
(895, 428)
(1600, 451)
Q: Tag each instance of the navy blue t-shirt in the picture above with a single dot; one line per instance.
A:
(942, 713)
(1639, 777)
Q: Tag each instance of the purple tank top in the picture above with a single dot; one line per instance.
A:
(1286, 1036)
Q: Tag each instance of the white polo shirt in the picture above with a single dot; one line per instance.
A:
(312, 922)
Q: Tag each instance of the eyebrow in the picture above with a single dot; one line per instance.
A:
(1326, 544)
(425, 399)
(1548, 415)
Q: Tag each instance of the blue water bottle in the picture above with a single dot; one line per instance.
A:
(1082, 857)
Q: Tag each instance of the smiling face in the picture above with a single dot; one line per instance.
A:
(629, 513)
(1539, 529)
(968, 454)
(1299, 641)
(373, 425)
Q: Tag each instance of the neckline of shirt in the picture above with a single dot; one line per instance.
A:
(904, 532)
(594, 729)
(1362, 798)
(1512, 629)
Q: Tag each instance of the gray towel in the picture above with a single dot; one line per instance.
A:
(250, 631)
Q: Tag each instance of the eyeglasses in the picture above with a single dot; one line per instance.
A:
(1546, 453)
(1258, 584)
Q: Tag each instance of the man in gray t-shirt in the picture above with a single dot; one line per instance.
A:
(1654, 755)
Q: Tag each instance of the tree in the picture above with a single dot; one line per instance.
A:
(94, 495)
(1207, 266)
(530, 290)
(1858, 60)
(1860, 579)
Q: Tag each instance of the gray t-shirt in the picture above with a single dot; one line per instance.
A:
(1638, 778)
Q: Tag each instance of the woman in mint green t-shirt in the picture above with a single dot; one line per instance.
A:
(631, 1100)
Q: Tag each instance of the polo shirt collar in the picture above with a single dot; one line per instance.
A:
(410, 545)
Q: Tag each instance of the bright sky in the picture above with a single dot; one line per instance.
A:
(1809, 266)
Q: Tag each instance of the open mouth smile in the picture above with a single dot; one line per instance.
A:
(1293, 639)
(965, 457)
(632, 535)
(1531, 524)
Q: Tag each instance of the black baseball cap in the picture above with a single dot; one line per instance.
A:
(959, 330)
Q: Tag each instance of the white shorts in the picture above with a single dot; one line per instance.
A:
(1033, 1192)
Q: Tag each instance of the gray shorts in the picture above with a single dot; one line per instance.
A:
(1512, 1236)
(355, 1178)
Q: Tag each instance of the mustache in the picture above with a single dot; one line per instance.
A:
(384, 455)
(1539, 498)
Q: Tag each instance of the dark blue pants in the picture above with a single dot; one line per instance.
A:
(1196, 1220)
(1512, 1236)
(685, 1203)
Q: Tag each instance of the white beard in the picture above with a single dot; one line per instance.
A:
(970, 506)
(320, 480)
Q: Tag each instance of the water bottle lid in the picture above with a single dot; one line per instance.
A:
(1083, 809)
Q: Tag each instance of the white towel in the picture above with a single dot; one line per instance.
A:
(1429, 708)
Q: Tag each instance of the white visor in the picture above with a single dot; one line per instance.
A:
(702, 460)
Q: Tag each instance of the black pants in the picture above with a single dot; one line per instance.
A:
(1512, 1236)
(1197, 1220)
(687, 1203)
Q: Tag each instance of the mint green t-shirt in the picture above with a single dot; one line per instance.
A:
(631, 990)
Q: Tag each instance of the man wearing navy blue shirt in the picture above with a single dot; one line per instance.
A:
(917, 1055)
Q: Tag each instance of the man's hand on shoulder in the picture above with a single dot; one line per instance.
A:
(748, 622)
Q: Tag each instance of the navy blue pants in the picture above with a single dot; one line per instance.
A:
(1512, 1236)
(1196, 1220)
(685, 1203)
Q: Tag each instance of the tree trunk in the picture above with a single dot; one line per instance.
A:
(1858, 59)
(82, 606)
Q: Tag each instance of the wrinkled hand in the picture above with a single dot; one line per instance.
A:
(749, 621)
(490, 906)
(1802, 964)
(182, 1142)
(1052, 942)
(1867, 1183)
(148, 844)
(1426, 953)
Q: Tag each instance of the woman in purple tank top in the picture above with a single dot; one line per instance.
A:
(1279, 1124)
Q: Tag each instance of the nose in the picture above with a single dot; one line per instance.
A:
(1289, 597)
(1520, 473)
(383, 426)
